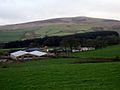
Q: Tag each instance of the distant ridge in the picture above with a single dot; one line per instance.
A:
(57, 27)
(67, 20)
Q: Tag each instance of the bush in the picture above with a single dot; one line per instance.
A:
(117, 58)
(4, 65)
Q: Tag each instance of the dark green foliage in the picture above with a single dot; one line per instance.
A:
(117, 58)
(70, 42)
(52, 41)
(98, 40)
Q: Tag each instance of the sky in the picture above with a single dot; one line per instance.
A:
(20, 11)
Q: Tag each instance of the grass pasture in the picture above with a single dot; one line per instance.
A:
(10, 36)
(61, 30)
(109, 52)
(63, 73)
(60, 74)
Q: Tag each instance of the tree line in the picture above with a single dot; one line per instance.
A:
(96, 39)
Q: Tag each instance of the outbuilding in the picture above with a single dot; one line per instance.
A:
(23, 55)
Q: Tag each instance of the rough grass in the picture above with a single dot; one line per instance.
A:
(60, 74)
(60, 30)
(13, 35)
(109, 52)
(51, 30)
(10, 36)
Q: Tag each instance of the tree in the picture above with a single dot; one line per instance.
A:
(52, 41)
(90, 43)
(70, 42)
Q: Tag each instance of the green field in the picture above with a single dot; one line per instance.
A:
(60, 74)
(109, 52)
(63, 73)
(11, 36)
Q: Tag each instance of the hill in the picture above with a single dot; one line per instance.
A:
(56, 27)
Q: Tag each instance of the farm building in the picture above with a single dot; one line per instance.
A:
(33, 49)
(87, 48)
(23, 55)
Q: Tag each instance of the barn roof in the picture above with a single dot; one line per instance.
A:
(33, 49)
(37, 53)
(20, 53)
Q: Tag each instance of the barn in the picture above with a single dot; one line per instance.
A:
(23, 55)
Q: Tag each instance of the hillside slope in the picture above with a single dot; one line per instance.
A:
(109, 52)
(56, 27)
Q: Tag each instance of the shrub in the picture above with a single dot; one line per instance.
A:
(4, 65)
(117, 58)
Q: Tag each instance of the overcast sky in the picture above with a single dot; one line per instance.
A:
(18, 11)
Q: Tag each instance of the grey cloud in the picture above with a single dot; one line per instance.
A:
(15, 11)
